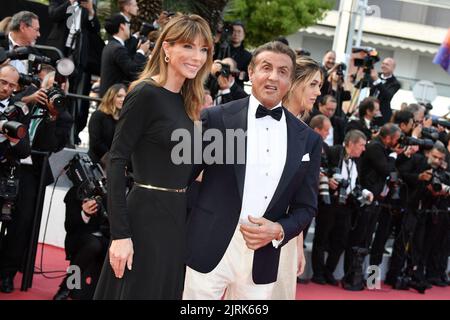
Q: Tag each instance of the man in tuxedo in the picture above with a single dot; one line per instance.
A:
(130, 9)
(75, 31)
(247, 210)
(384, 87)
(368, 109)
(118, 66)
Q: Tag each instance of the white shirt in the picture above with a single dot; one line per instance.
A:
(221, 93)
(4, 104)
(367, 122)
(266, 157)
(20, 65)
(349, 170)
(330, 137)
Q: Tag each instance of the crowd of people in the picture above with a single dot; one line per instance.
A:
(367, 173)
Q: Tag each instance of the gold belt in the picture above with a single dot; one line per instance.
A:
(148, 186)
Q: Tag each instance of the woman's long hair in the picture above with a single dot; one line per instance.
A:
(181, 29)
(305, 69)
(108, 105)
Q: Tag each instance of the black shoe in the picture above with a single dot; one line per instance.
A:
(330, 279)
(7, 284)
(318, 279)
(436, 282)
(62, 294)
(418, 285)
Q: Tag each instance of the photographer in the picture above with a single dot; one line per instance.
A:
(129, 9)
(222, 83)
(232, 45)
(368, 109)
(86, 244)
(327, 107)
(427, 188)
(118, 66)
(376, 165)
(49, 128)
(384, 86)
(333, 221)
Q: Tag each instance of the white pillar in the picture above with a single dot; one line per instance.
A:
(342, 28)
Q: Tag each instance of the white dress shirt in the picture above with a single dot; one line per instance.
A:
(266, 157)
(20, 65)
(330, 137)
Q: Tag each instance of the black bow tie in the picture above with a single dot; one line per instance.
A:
(274, 113)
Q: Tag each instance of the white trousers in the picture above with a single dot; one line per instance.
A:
(233, 274)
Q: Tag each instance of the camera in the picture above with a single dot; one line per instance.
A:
(9, 124)
(27, 80)
(394, 184)
(341, 67)
(430, 133)
(90, 180)
(225, 71)
(146, 28)
(441, 122)
(302, 52)
(362, 197)
(324, 188)
(19, 53)
(425, 144)
(371, 57)
(343, 185)
(439, 178)
(9, 190)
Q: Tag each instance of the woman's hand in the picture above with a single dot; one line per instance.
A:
(121, 253)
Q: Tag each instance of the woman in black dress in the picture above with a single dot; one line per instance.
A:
(146, 256)
(103, 122)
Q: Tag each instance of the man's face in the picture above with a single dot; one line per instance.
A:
(132, 8)
(8, 82)
(329, 60)
(271, 77)
(325, 131)
(328, 109)
(238, 35)
(392, 141)
(407, 127)
(435, 158)
(355, 149)
(388, 66)
(30, 33)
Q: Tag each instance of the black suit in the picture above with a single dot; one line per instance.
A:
(360, 125)
(214, 217)
(384, 93)
(118, 66)
(236, 93)
(88, 51)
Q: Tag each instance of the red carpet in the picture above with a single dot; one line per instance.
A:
(54, 259)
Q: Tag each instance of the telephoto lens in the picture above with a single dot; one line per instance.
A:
(324, 189)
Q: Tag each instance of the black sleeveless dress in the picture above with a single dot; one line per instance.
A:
(153, 219)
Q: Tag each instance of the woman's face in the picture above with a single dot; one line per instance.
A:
(118, 100)
(186, 59)
(306, 93)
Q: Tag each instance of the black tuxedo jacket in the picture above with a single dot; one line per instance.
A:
(338, 124)
(384, 93)
(118, 66)
(215, 214)
(88, 53)
(360, 125)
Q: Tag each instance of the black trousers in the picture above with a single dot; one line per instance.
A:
(362, 233)
(88, 253)
(435, 245)
(16, 242)
(333, 223)
(388, 222)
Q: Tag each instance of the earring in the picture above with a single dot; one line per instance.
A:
(166, 59)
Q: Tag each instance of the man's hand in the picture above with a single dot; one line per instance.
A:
(410, 150)
(427, 122)
(89, 207)
(333, 184)
(144, 47)
(374, 75)
(39, 97)
(398, 149)
(417, 131)
(224, 82)
(89, 6)
(259, 236)
(426, 175)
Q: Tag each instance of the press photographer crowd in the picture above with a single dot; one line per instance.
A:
(384, 174)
